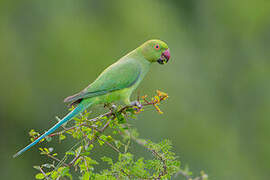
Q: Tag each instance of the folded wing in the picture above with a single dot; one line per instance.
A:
(118, 76)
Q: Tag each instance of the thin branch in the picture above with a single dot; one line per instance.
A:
(111, 115)
(109, 144)
(183, 173)
(55, 158)
(71, 163)
(180, 172)
(74, 160)
(41, 170)
(188, 177)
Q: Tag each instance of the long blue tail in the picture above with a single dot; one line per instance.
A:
(68, 117)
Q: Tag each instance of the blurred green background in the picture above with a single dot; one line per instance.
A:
(218, 113)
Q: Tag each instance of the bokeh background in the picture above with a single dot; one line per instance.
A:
(218, 113)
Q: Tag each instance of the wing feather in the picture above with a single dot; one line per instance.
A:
(118, 76)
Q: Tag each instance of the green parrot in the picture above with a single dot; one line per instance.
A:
(115, 83)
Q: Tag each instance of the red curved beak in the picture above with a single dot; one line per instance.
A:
(167, 54)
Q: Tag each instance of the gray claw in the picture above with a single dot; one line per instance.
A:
(136, 103)
(114, 106)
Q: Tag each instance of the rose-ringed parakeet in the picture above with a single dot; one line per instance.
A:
(115, 83)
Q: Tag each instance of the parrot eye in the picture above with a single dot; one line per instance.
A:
(157, 47)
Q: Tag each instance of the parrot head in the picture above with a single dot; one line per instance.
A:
(156, 51)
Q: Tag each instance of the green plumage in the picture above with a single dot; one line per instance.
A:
(119, 80)
(125, 73)
(115, 83)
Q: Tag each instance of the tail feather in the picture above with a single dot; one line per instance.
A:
(68, 117)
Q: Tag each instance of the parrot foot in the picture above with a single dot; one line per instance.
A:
(138, 104)
(112, 107)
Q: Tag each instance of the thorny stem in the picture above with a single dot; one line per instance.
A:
(41, 170)
(180, 172)
(143, 143)
(90, 142)
(187, 177)
(112, 115)
(50, 156)
(110, 145)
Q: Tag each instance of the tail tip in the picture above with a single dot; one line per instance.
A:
(16, 155)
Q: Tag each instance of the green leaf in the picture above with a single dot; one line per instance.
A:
(117, 143)
(86, 176)
(64, 171)
(32, 133)
(46, 150)
(88, 148)
(100, 142)
(121, 119)
(103, 137)
(39, 176)
(107, 159)
(70, 153)
(109, 138)
(62, 137)
(36, 167)
(90, 160)
(77, 161)
(54, 175)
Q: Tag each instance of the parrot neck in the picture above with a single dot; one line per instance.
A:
(146, 53)
(139, 56)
